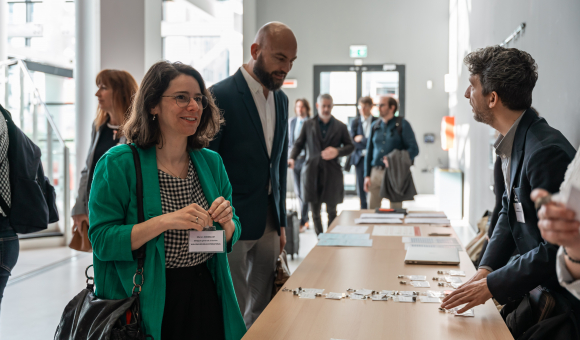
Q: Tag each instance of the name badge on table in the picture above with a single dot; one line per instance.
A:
(207, 241)
(519, 212)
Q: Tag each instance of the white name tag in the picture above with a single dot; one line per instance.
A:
(207, 241)
(519, 212)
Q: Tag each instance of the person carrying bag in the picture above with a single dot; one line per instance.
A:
(88, 317)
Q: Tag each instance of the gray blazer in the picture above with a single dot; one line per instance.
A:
(318, 173)
(81, 204)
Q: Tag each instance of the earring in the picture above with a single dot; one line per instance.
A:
(154, 116)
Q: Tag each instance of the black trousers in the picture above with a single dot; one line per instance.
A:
(360, 183)
(317, 219)
(192, 307)
(298, 165)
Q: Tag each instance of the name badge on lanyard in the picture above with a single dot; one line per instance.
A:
(519, 209)
(207, 241)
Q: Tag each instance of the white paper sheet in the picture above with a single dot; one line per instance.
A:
(326, 236)
(381, 216)
(427, 299)
(334, 296)
(379, 230)
(426, 215)
(349, 229)
(426, 245)
(308, 295)
(431, 240)
(430, 220)
(312, 290)
(378, 220)
(421, 284)
(331, 242)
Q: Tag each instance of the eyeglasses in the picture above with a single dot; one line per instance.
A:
(183, 100)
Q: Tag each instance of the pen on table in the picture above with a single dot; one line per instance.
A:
(439, 234)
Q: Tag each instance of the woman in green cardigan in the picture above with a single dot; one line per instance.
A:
(185, 295)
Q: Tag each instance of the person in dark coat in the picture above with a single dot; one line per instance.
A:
(253, 144)
(302, 110)
(325, 139)
(534, 155)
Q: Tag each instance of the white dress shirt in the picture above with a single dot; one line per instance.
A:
(266, 108)
(564, 277)
(267, 111)
(366, 124)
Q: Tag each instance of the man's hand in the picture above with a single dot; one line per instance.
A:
(291, 163)
(385, 161)
(78, 221)
(367, 184)
(358, 138)
(329, 153)
(558, 224)
(282, 238)
(473, 293)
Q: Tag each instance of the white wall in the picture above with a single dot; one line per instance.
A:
(411, 32)
(551, 37)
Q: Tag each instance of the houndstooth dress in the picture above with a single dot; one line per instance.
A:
(177, 193)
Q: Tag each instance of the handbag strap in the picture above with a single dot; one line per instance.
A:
(139, 254)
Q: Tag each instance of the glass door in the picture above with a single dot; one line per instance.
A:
(347, 83)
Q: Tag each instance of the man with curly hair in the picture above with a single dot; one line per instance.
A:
(533, 155)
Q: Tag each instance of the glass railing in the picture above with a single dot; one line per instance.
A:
(26, 101)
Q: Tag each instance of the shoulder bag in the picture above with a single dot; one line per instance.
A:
(88, 317)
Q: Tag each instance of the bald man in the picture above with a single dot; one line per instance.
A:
(253, 144)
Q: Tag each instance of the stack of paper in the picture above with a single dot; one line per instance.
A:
(382, 216)
(427, 215)
(396, 230)
(344, 240)
(431, 242)
(386, 220)
(348, 229)
(427, 220)
(326, 236)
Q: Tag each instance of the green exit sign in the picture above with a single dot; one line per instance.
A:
(358, 51)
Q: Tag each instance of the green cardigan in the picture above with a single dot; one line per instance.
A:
(112, 214)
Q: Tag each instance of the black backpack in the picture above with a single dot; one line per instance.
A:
(32, 196)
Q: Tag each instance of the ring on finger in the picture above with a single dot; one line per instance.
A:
(196, 219)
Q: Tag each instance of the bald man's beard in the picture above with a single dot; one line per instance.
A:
(267, 79)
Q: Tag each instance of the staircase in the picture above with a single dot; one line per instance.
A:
(39, 98)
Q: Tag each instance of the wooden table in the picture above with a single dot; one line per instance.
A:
(338, 268)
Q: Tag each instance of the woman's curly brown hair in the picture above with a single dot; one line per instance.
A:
(142, 130)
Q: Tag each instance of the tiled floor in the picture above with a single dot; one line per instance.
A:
(44, 280)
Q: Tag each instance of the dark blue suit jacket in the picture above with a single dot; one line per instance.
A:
(356, 128)
(540, 157)
(242, 146)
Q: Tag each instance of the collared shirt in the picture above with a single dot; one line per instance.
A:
(267, 111)
(503, 147)
(323, 126)
(366, 124)
(297, 129)
(564, 277)
(266, 108)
